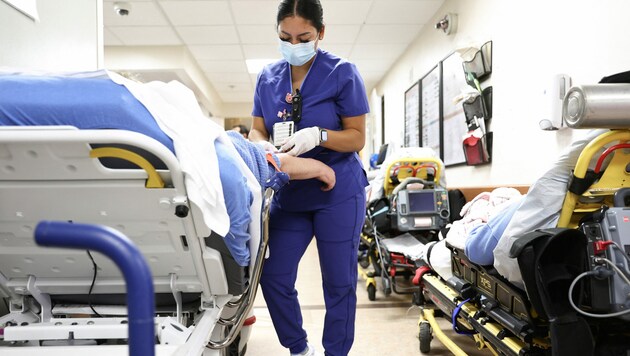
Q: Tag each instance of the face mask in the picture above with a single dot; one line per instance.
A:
(297, 54)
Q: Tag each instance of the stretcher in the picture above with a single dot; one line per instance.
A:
(400, 223)
(48, 173)
(74, 301)
(561, 270)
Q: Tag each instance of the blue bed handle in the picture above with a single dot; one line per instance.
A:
(116, 246)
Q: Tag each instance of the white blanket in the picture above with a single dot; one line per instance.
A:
(178, 114)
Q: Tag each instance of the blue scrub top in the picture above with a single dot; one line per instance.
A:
(332, 89)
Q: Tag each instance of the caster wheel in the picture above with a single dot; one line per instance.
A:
(364, 261)
(425, 337)
(387, 286)
(418, 298)
(371, 289)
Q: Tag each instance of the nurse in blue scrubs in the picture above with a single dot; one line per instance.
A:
(324, 98)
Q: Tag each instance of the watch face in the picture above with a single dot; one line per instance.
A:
(324, 136)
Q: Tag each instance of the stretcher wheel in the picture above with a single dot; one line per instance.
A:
(364, 260)
(387, 285)
(425, 337)
(371, 290)
(417, 298)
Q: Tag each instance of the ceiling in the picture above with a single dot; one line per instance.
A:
(221, 34)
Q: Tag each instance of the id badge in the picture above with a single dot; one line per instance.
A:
(282, 131)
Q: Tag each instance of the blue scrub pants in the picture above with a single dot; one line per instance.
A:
(337, 231)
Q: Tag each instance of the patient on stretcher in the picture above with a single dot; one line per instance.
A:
(97, 102)
(488, 243)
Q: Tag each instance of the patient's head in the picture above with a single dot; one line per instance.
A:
(242, 129)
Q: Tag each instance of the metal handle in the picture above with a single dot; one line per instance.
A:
(247, 300)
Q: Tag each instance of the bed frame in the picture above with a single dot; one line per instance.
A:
(54, 173)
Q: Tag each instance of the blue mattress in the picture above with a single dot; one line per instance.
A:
(86, 103)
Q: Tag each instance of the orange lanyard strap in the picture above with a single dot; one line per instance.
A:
(272, 161)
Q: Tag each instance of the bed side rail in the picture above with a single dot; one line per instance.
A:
(246, 301)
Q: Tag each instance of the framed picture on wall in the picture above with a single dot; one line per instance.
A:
(453, 117)
(430, 123)
(412, 116)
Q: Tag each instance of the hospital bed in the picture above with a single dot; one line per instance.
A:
(575, 276)
(414, 208)
(73, 302)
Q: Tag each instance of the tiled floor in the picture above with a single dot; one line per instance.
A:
(387, 326)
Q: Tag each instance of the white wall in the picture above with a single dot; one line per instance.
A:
(67, 37)
(532, 41)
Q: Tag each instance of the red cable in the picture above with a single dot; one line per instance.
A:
(608, 151)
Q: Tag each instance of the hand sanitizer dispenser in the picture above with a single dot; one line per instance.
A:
(551, 103)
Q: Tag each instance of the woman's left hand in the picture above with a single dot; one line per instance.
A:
(302, 141)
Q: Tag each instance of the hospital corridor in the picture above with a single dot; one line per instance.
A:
(314, 178)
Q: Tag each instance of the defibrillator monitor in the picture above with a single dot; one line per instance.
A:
(425, 209)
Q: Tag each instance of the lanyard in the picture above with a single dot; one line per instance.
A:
(296, 106)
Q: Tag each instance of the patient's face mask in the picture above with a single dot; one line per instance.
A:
(297, 54)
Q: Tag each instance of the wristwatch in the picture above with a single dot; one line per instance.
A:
(323, 135)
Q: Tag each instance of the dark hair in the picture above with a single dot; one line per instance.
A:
(242, 128)
(310, 10)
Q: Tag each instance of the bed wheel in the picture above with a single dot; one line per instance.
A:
(425, 337)
(371, 290)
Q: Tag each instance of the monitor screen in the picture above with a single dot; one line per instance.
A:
(421, 201)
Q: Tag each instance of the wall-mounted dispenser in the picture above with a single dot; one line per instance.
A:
(551, 103)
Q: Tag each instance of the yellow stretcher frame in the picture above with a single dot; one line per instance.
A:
(412, 163)
(613, 178)
(468, 311)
